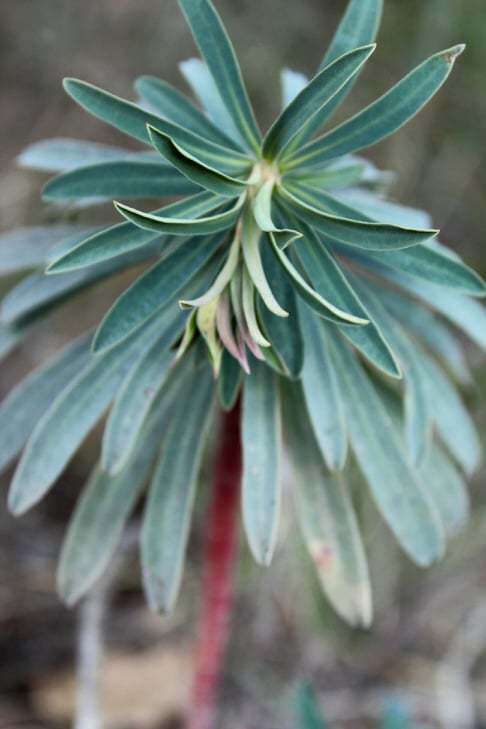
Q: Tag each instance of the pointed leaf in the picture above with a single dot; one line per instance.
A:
(119, 179)
(327, 519)
(62, 155)
(261, 440)
(292, 83)
(229, 381)
(25, 248)
(309, 105)
(248, 300)
(401, 499)
(385, 116)
(167, 516)
(217, 50)
(195, 170)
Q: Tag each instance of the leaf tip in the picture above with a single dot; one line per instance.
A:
(451, 54)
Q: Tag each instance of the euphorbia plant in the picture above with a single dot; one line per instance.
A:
(282, 279)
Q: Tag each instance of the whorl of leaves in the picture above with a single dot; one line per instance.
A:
(280, 266)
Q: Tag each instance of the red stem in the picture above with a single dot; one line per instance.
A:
(219, 557)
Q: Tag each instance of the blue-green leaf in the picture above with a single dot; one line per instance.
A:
(195, 170)
(357, 233)
(229, 381)
(153, 290)
(125, 237)
(309, 105)
(171, 104)
(308, 713)
(119, 179)
(292, 83)
(217, 50)
(182, 226)
(62, 155)
(26, 248)
(385, 116)
(321, 392)
(447, 490)
(327, 518)
(401, 499)
(27, 402)
(261, 440)
(167, 517)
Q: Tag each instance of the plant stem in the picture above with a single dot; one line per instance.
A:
(220, 554)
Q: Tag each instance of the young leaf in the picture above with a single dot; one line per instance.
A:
(167, 516)
(369, 236)
(385, 116)
(96, 526)
(68, 420)
(401, 499)
(261, 440)
(287, 131)
(153, 290)
(217, 50)
(119, 179)
(138, 393)
(320, 388)
(181, 226)
(248, 293)
(221, 281)
(195, 170)
(327, 519)
(174, 106)
(27, 402)
(124, 237)
(199, 78)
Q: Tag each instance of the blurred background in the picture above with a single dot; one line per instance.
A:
(428, 642)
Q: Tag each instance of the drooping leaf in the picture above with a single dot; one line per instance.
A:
(153, 290)
(69, 418)
(96, 526)
(327, 518)
(166, 522)
(199, 78)
(120, 179)
(369, 236)
(400, 497)
(192, 168)
(261, 442)
(27, 402)
(217, 50)
(138, 393)
(124, 237)
(320, 389)
(310, 104)
(171, 104)
(385, 116)
(182, 226)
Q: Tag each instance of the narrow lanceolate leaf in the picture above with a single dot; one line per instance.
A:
(248, 294)
(218, 52)
(119, 179)
(153, 290)
(261, 440)
(171, 104)
(317, 302)
(369, 236)
(62, 155)
(27, 402)
(372, 343)
(182, 226)
(358, 27)
(384, 116)
(400, 497)
(321, 391)
(452, 420)
(283, 334)
(229, 381)
(251, 236)
(26, 248)
(137, 395)
(292, 83)
(124, 237)
(11, 337)
(327, 277)
(374, 207)
(199, 78)
(96, 527)
(447, 490)
(168, 511)
(68, 420)
(222, 279)
(195, 170)
(425, 325)
(311, 102)
(327, 518)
